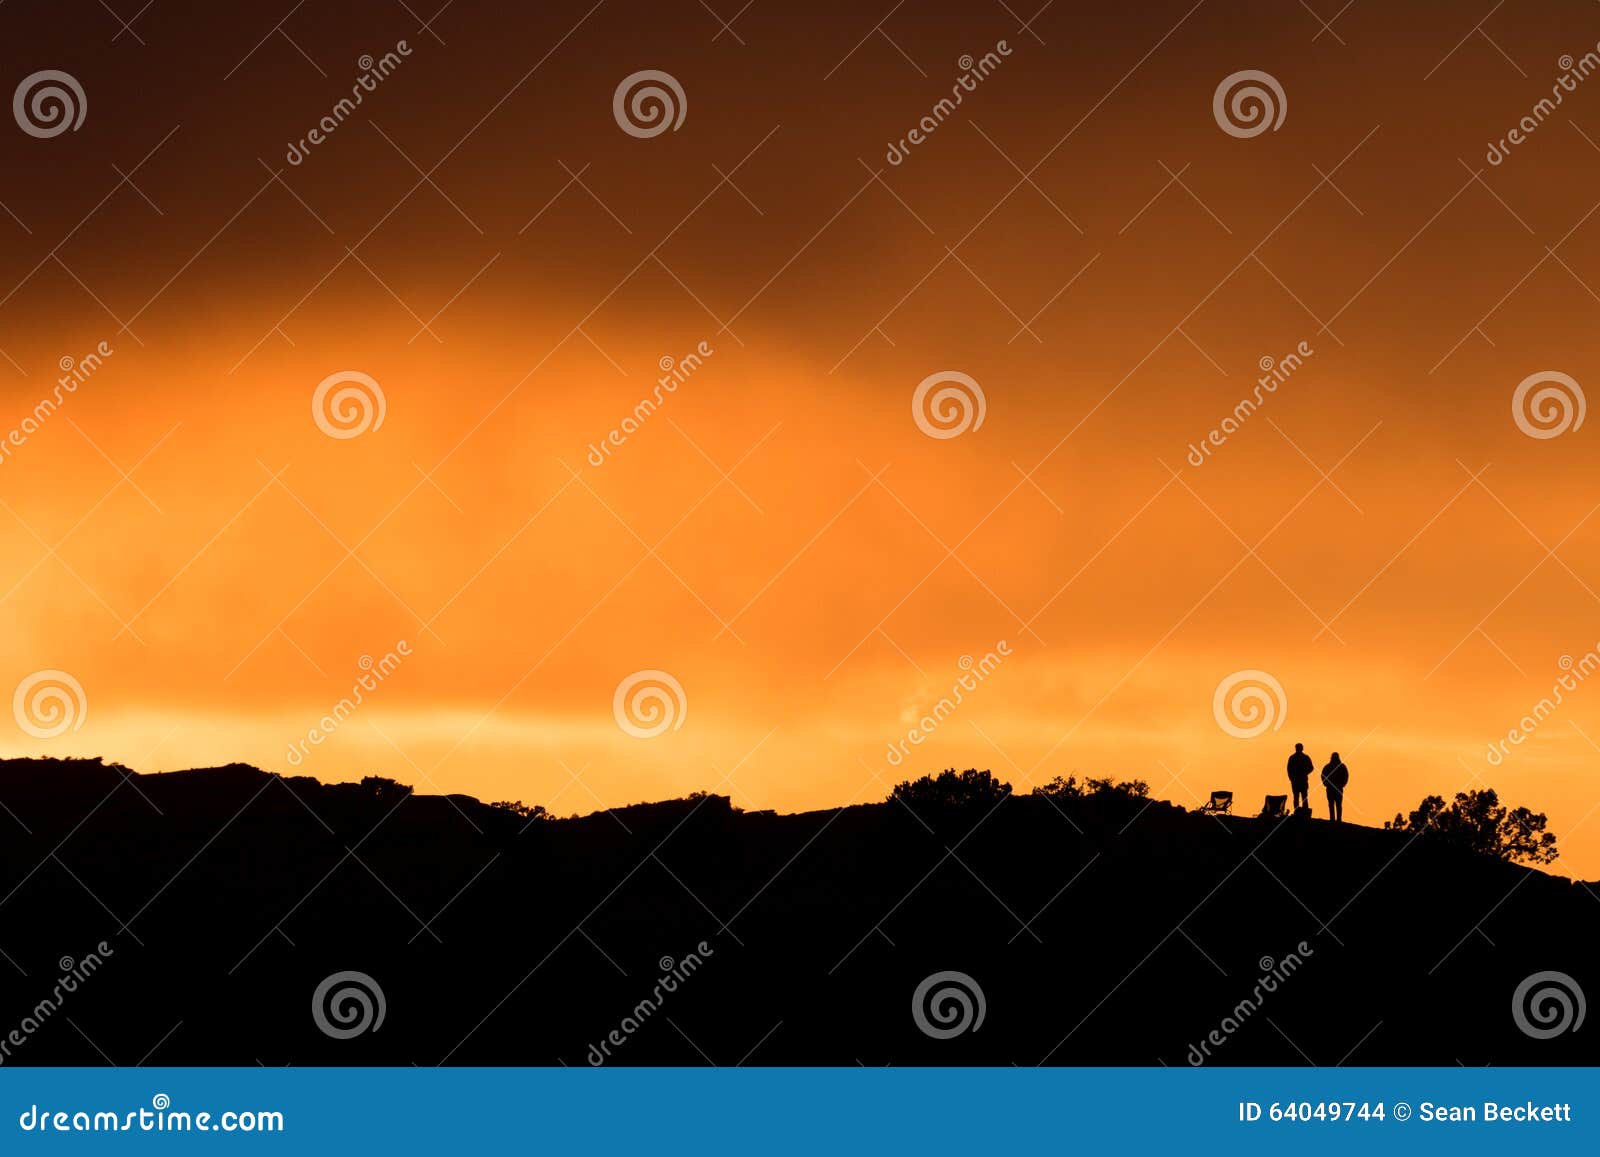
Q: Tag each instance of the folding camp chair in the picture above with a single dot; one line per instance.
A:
(1221, 802)
(1274, 808)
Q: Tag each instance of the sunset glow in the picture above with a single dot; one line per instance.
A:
(775, 529)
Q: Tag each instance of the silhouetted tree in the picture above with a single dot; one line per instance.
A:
(951, 788)
(716, 802)
(518, 808)
(385, 788)
(1070, 788)
(1476, 822)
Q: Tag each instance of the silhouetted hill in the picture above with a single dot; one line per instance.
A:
(1101, 930)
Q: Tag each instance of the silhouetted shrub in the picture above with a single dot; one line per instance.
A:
(1476, 822)
(1070, 788)
(517, 808)
(716, 802)
(951, 788)
(385, 788)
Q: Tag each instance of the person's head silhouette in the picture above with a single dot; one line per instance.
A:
(1299, 747)
(1336, 757)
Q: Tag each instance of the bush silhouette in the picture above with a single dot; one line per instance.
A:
(1476, 822)
(951, 788)
(517, 808)
(384, 788)
(1070, 788)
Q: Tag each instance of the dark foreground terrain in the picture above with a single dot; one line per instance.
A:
(1099, 931)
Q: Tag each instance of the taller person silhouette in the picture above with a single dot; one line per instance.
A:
(1300, 769)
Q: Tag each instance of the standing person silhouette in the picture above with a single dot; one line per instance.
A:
(1300, 769)
(1334, 777)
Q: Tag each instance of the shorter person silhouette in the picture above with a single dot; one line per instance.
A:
(1334, 777)
(1300, 769)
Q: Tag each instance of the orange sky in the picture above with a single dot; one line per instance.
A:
(817, 600)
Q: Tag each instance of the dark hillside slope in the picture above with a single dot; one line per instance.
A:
(1100, 931)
